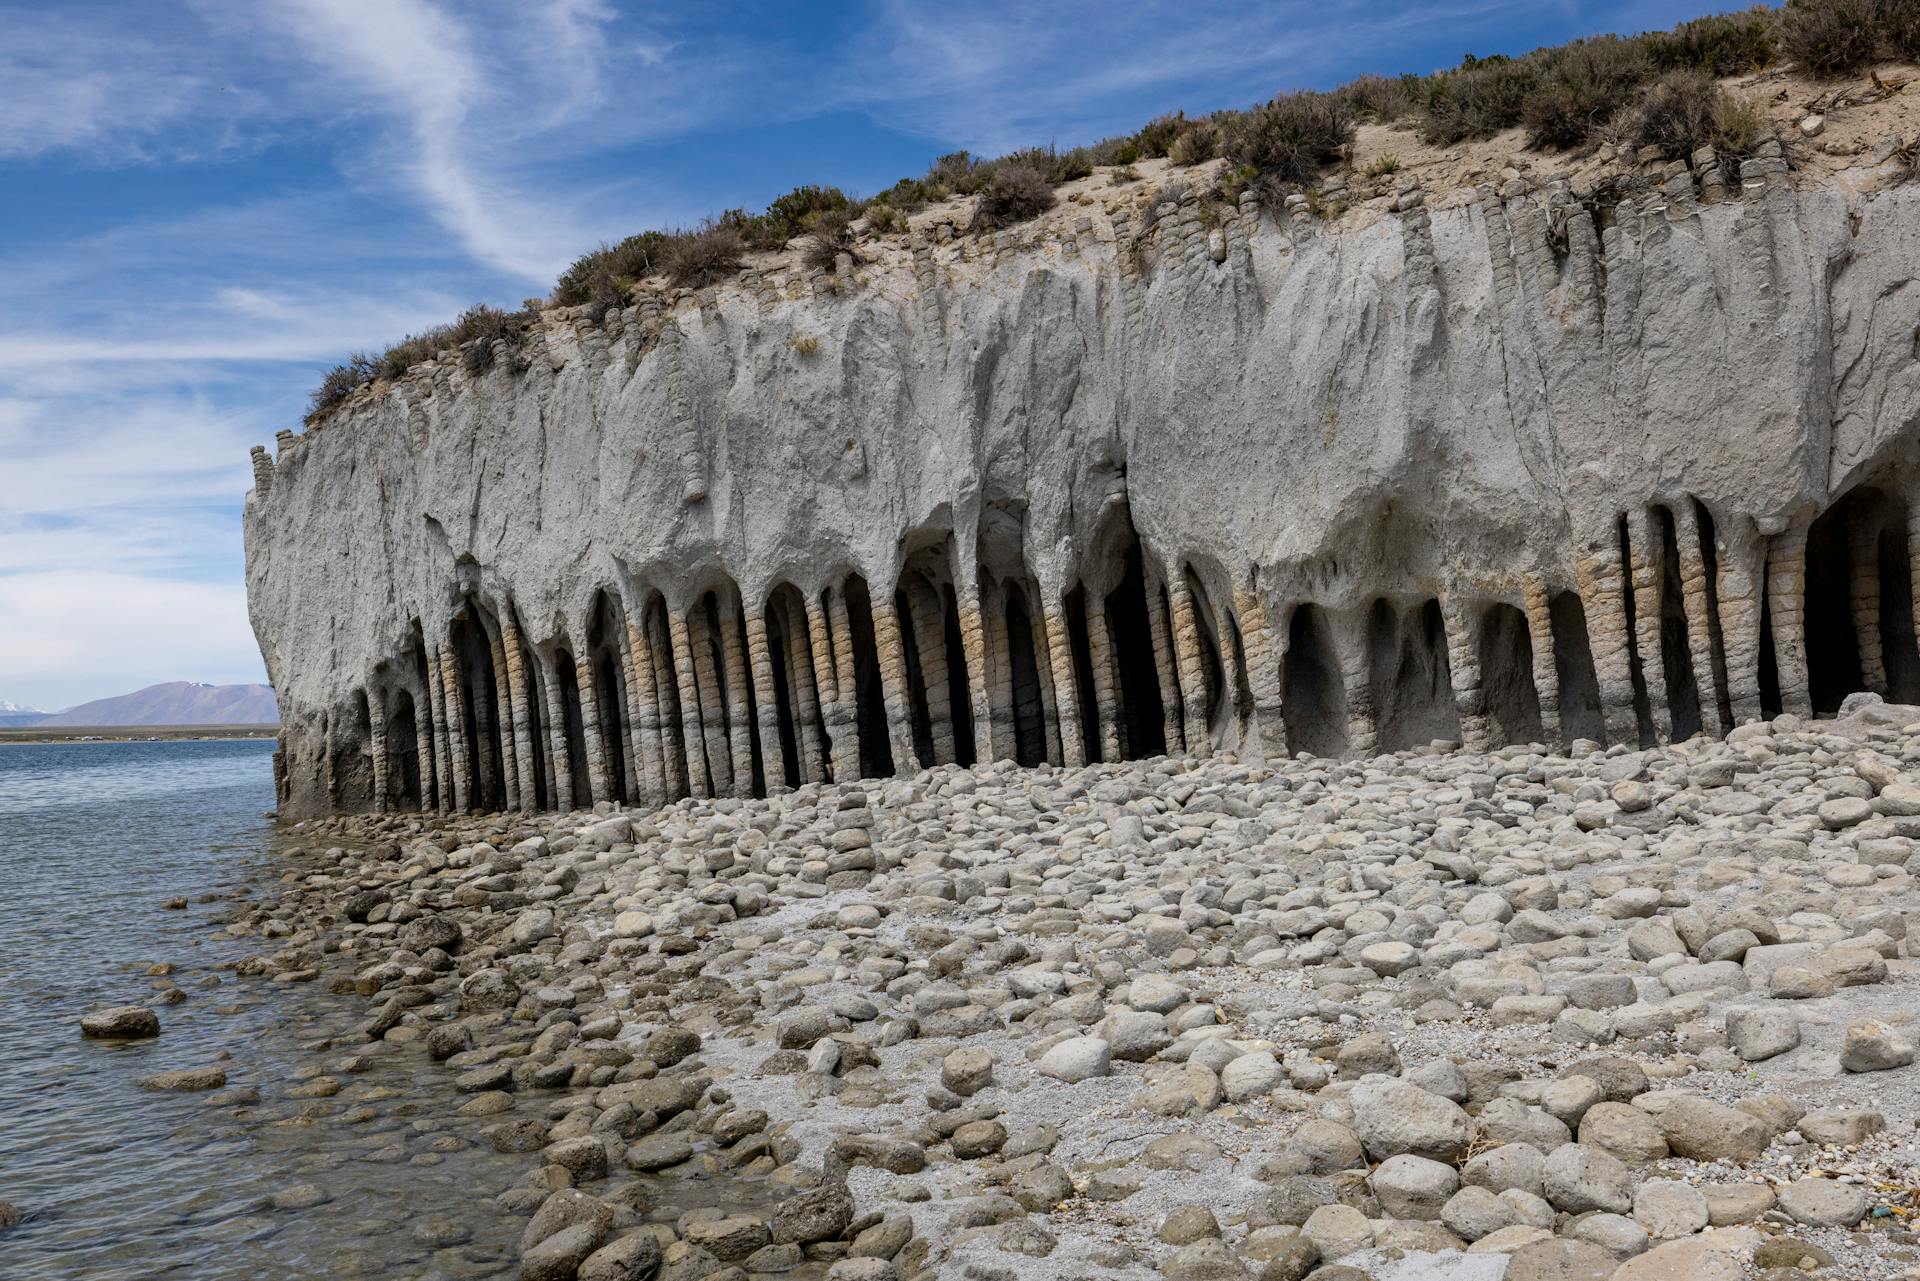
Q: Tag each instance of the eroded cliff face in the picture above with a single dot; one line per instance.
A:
(1121, 484)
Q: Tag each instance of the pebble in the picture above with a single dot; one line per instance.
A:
(1223, 1019)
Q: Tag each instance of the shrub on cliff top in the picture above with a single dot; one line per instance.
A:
(1014, 194)
(340, 382)
(1291, 138)
(1830, 37)
(1684, 111)
(1899, 23)
(1477, 99)
(603, 277)
(1381, 98)
(1720, 44)
(706, 255)
(1580, 87)
(831, 236)
(795, 214)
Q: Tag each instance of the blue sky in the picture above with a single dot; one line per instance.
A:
(204, 204)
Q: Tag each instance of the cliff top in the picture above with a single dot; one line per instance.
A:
(1608, 117)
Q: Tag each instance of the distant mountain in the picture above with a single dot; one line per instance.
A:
(177, 703)
(12, 715)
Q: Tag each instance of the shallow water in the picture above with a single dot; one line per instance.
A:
(119, 1182)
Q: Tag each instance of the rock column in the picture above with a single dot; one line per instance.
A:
(423, 748)
(1740, 564)
(1106, 680)
(1049, 703)
(1356, 674)
(516, 670)
(645, 698)
(973, 644)
(699, 778)
(1066, 696)
(560, 750)
(377, 735)
(712, 702)
(1603, 593)
(1171, 708)
(1786, 605)
(598, 782)
(441, 784)
(1693, 590)
(503, 712)
(739, 703)
(804, 682)
(1263, 672)
(1863, 596)
(766, 699)
(1546, 677)
(1644, 558)
(893, 683)
(453, 699)
(832, 635)
(1463, 672)
(676, 765)
(1191, 667)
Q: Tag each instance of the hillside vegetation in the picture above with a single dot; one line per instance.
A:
(1656, 90)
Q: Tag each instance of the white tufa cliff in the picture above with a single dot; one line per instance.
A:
(1165, 477)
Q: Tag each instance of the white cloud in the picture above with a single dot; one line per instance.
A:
(69, 86)
(72, 636)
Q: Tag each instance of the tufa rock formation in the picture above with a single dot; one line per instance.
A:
(1156, 476)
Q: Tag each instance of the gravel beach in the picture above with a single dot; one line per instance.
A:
(1437, 1014)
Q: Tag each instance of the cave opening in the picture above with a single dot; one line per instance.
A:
(1832, 644)
(610, 701)
(1581, 715)
(1507, 689)
(1897, 639)
(1142, 705)
(1313, 696)
(403, 753)
(352, 757)
(479, 688)
(1770, 704)
(1407, 671)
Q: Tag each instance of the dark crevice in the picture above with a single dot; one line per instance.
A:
(1580, 712)
(1507, 691)
(1313, 701)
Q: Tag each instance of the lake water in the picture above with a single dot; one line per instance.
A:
(119, 1182)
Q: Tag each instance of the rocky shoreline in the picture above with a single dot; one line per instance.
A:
(1618, 1014)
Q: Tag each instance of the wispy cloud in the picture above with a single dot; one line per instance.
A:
(70, 86)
